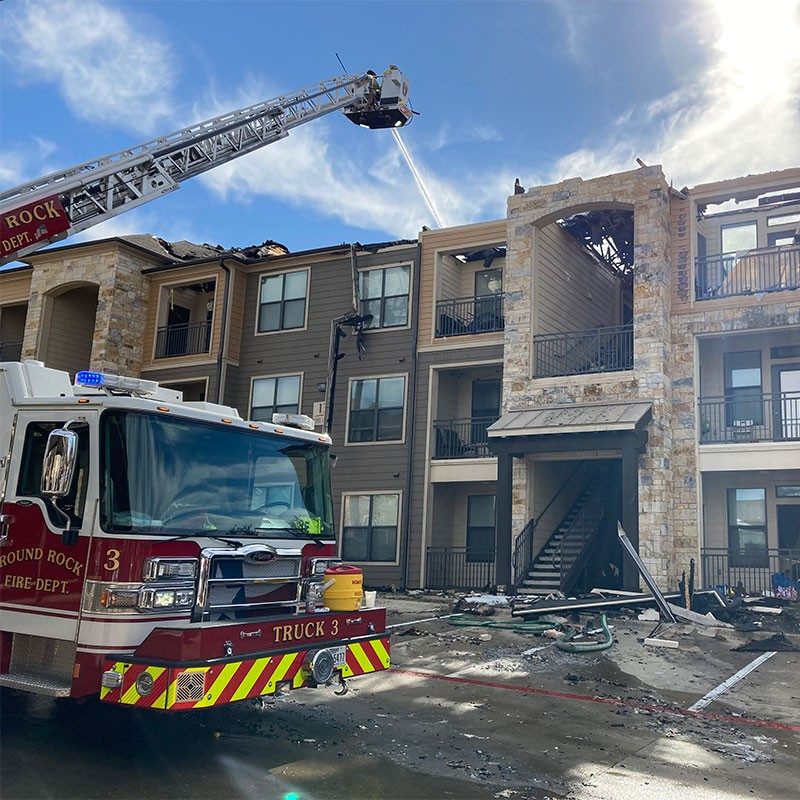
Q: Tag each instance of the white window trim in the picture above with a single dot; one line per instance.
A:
(383, 442)
(261, 276)
(254, 378)
(170, 360)
(407, 326)
(373, 492)
(753, 223)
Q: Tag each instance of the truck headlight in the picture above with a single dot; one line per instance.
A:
(166, 598)
(119, 598)
(175, 569)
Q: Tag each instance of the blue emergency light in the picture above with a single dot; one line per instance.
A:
(103, 380)
(87, 378)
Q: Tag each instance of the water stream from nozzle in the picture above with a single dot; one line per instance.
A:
(418, 179)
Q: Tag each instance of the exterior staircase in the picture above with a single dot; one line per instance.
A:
(569, 539)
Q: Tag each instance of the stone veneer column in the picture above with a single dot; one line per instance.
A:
(646, 192)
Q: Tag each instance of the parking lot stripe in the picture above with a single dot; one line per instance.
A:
(609, 701)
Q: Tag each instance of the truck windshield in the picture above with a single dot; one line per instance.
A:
(182, 477)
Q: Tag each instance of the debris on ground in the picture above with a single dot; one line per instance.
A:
(778, 642)
(669, 643)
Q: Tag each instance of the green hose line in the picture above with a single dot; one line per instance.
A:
(567, 646)
(535, 626)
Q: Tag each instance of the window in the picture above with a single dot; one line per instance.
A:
(776, 239)
(747, 527)
(30, 475)
(736, 238)
(783, 219)
(480, 527)
(488, 282)
(275, 396)
(743, 406)
(370, 527)
(376, 410)
(384, 294)
(787, 491)
(283, 301)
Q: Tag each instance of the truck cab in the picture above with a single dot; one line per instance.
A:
(165, 554)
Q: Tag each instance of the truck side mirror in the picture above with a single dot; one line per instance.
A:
(58, 465)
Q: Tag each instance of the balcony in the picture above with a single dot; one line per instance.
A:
(583, 352)
(459, 568)
(463, 316)
(463, 438)
(756, 418)
(183, 340)
(11, 350)
(754, 568)
(765, 269)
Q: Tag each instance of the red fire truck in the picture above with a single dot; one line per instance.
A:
(165, 554)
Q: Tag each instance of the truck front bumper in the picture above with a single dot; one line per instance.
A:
(146, 683)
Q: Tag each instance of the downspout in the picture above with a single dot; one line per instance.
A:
(223, 331)
(333, 350)
(412, 414)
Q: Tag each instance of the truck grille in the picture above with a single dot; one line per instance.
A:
(237, 586)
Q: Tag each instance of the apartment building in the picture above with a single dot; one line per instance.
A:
(259, 330)
(675, 410)
(613, 350)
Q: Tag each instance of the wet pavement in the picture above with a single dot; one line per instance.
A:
(499, 725)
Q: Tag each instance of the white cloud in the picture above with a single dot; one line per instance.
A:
(25, 161)
(310, 170)
(578, 19)
(741, 116)
(109, 67)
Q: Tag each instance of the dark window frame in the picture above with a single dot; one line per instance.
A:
(377, 412)
(739, 556)
(383, 297)
(282, 302)
(484, 552)
(276, 408)
(370, 528)
(749, 394)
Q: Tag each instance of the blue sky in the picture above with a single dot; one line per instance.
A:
(540, 90)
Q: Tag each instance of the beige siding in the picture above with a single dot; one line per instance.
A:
(67, 341)
(449, 278)
(238, 284)
(467, 286)
(482, 234)
(715, 510)
(15, 286)
(572, 292)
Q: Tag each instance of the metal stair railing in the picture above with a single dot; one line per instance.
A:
(523, 548)
(575, 544)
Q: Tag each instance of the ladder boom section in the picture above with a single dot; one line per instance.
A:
(98, 190)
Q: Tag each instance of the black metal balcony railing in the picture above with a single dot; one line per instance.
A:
(463, 438)
(765, 269)
(11, 350)
(755, 418)
(583, 352)
(753, 568)
(460, 316)
(459, 568)
(183, 340)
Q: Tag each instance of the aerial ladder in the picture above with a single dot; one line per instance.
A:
(63, 203)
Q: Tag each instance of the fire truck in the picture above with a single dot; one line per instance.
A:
(166, 554)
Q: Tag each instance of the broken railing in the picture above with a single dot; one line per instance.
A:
(752, 567)
(583, 352)
(459, 568)
(764, 269)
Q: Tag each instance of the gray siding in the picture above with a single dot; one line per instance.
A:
(367, 468)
